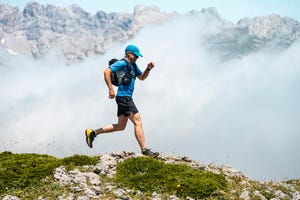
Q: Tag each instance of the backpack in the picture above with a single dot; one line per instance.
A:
(122, 77)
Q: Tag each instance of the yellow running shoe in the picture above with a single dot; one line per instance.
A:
(90, 135)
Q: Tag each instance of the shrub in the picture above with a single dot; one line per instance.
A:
(148, 175)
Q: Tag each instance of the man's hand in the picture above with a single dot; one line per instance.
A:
(150, 65)
(111, 93)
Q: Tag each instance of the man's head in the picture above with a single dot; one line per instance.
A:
(134, 50)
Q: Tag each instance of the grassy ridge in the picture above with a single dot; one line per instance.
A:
(20, 171)
(24, 175)
(30, 176)
(148, 175)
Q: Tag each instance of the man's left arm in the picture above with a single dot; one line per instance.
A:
(145, 74)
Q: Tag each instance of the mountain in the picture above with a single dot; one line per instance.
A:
(127, 175)
(76, 34)
(249, 35)
(73, 31)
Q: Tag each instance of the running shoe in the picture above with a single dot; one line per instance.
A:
(90, 135)
(148, 152)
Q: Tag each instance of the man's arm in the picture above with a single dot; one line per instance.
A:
(147, 71)
(107, 78)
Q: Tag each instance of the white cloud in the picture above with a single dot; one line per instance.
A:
(243, 112)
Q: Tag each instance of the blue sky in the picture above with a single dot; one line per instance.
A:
(232, 10)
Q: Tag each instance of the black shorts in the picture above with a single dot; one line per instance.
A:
(126, 106)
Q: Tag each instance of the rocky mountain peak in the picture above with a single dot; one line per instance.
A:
(211, 13)
(148, 15)
(262, 32)
(77, 33)
(33, 9)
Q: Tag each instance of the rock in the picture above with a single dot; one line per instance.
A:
(258, 194)
(109, 188)
(156, 196)
(83, 198)
(245, 195)
(119, 193)
(296, 195)
(173, 197)
(107, 165)
(8, 197)
(61, 176)
(280, 194)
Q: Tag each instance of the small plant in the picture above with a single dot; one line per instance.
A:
(295, 183)
(148, 175)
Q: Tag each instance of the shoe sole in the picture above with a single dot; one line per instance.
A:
(152, 156)
(155, 156)
(88, 140)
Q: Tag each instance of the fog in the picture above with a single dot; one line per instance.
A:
(243, 112)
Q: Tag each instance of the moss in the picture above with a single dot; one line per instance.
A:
(19, 171)
(78, 160)
(148, 175)
(295, 183)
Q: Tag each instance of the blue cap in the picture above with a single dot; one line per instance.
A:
(133, 49)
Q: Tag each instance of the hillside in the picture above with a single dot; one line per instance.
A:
(126, 175)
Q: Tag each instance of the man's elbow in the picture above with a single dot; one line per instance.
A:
(141, 78)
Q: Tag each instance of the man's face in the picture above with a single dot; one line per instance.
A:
(132, 57)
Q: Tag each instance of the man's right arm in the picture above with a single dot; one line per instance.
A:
(107, 78)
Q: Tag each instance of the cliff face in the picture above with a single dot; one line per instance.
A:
(76, 34)
(98, 181)
(73, 31)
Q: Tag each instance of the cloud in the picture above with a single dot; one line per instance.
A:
(242, 112)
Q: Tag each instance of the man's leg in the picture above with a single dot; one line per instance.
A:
(90, 134)
(138, 129)
(121, 125)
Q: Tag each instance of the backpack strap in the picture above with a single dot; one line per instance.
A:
(128, 68)
(135, 70)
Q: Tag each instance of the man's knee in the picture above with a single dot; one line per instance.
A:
(120, 127)
(136, 119)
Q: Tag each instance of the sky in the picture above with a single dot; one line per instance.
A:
(243, 113)
(232, 10)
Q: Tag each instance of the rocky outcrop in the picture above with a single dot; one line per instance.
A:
(250, 35)
(88, 181)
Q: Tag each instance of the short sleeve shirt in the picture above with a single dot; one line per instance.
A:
(125, 90)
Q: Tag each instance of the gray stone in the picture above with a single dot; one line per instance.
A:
(119, 193)
(296, 195)
(173, 197)
(8, 197)
(245, 195)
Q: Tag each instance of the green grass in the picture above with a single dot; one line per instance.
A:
(148, 175)
(21, 171)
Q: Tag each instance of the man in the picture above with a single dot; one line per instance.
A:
(126, 107)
